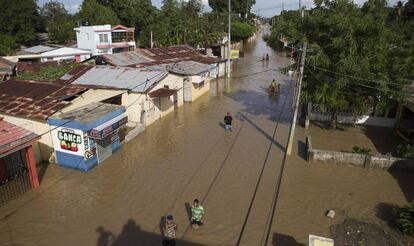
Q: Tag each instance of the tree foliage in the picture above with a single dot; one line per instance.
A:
(405, 220)
(51, 72)
(94, 13)
(241, 7)
(348, 43)
(19, 19)
(7, 44)
(59, 23)
(242, 30)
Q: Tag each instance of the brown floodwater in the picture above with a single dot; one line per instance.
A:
(188, 155)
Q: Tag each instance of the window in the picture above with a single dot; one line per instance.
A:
(201, 84)
(103, 38)
(87, 36)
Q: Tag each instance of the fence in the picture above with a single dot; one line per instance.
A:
(14, 178)
(319, 113)
(359, 160)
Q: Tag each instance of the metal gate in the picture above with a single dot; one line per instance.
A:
(14, 176)
(104, 149)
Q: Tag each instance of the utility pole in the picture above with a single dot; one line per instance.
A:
(229, 44)
(152, 43)
(299, 85)
(300, 4)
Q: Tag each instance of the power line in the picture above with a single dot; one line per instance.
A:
(362, 85)
(353, 77)
(278, 7)
(146, 81)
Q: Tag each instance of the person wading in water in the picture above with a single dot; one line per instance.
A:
(197, 213)
(227, 121)
(170, 229)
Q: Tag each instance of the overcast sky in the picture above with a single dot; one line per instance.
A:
(265, 8)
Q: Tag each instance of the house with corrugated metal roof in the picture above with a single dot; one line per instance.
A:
(196, 77)
(17, 164)
(163, 55)
(28, 104)
(146, 94)
(47, 53)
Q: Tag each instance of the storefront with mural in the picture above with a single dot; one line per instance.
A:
(86, 136)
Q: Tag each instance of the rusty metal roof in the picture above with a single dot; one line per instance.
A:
(33, 99)
(162, 92)
(125, 78)
(185, 68)
(125, 59)
(12, 136)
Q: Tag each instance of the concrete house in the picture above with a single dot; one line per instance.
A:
(164, 55)
(196, 77)
(105, 39)
(146, 94)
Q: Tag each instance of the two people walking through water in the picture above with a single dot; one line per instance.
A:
(170, 227)
(265, 57)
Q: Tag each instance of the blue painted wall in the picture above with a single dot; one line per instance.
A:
(75, 161)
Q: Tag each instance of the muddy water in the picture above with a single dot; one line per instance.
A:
(188, 155)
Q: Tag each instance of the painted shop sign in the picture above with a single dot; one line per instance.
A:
(101, 134)
(68, 140)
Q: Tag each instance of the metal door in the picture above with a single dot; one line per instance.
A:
(104, 149)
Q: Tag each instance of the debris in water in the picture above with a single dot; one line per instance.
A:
(330, 213)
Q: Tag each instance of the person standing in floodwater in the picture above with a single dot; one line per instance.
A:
(197, 213)
(267, 57)
(228, 122)
(170, 229)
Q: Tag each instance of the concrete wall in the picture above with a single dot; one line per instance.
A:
(144, 110)
(43, 149)
(197, 91)
(359, 160)
(222, 69)
(360, 120)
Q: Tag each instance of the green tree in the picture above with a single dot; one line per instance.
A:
(241, 7)
(347, 42)
(7, 44)
(59, 23)
(95, 13)
(241, 30)
(19, 19)
(134, 13)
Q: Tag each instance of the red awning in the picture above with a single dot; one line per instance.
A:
(162, 92)
(13, 138)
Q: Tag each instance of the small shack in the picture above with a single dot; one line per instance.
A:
(86, 136)
(17, 163)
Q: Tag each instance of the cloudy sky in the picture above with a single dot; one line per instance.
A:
(265, 8)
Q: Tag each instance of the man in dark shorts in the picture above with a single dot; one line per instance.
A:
(197, 213)
(228, 121)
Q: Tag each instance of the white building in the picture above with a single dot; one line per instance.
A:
(104, 39)
(196, 77)
(45, 53)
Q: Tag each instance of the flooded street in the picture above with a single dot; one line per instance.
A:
(188, 155)
(185, 155)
